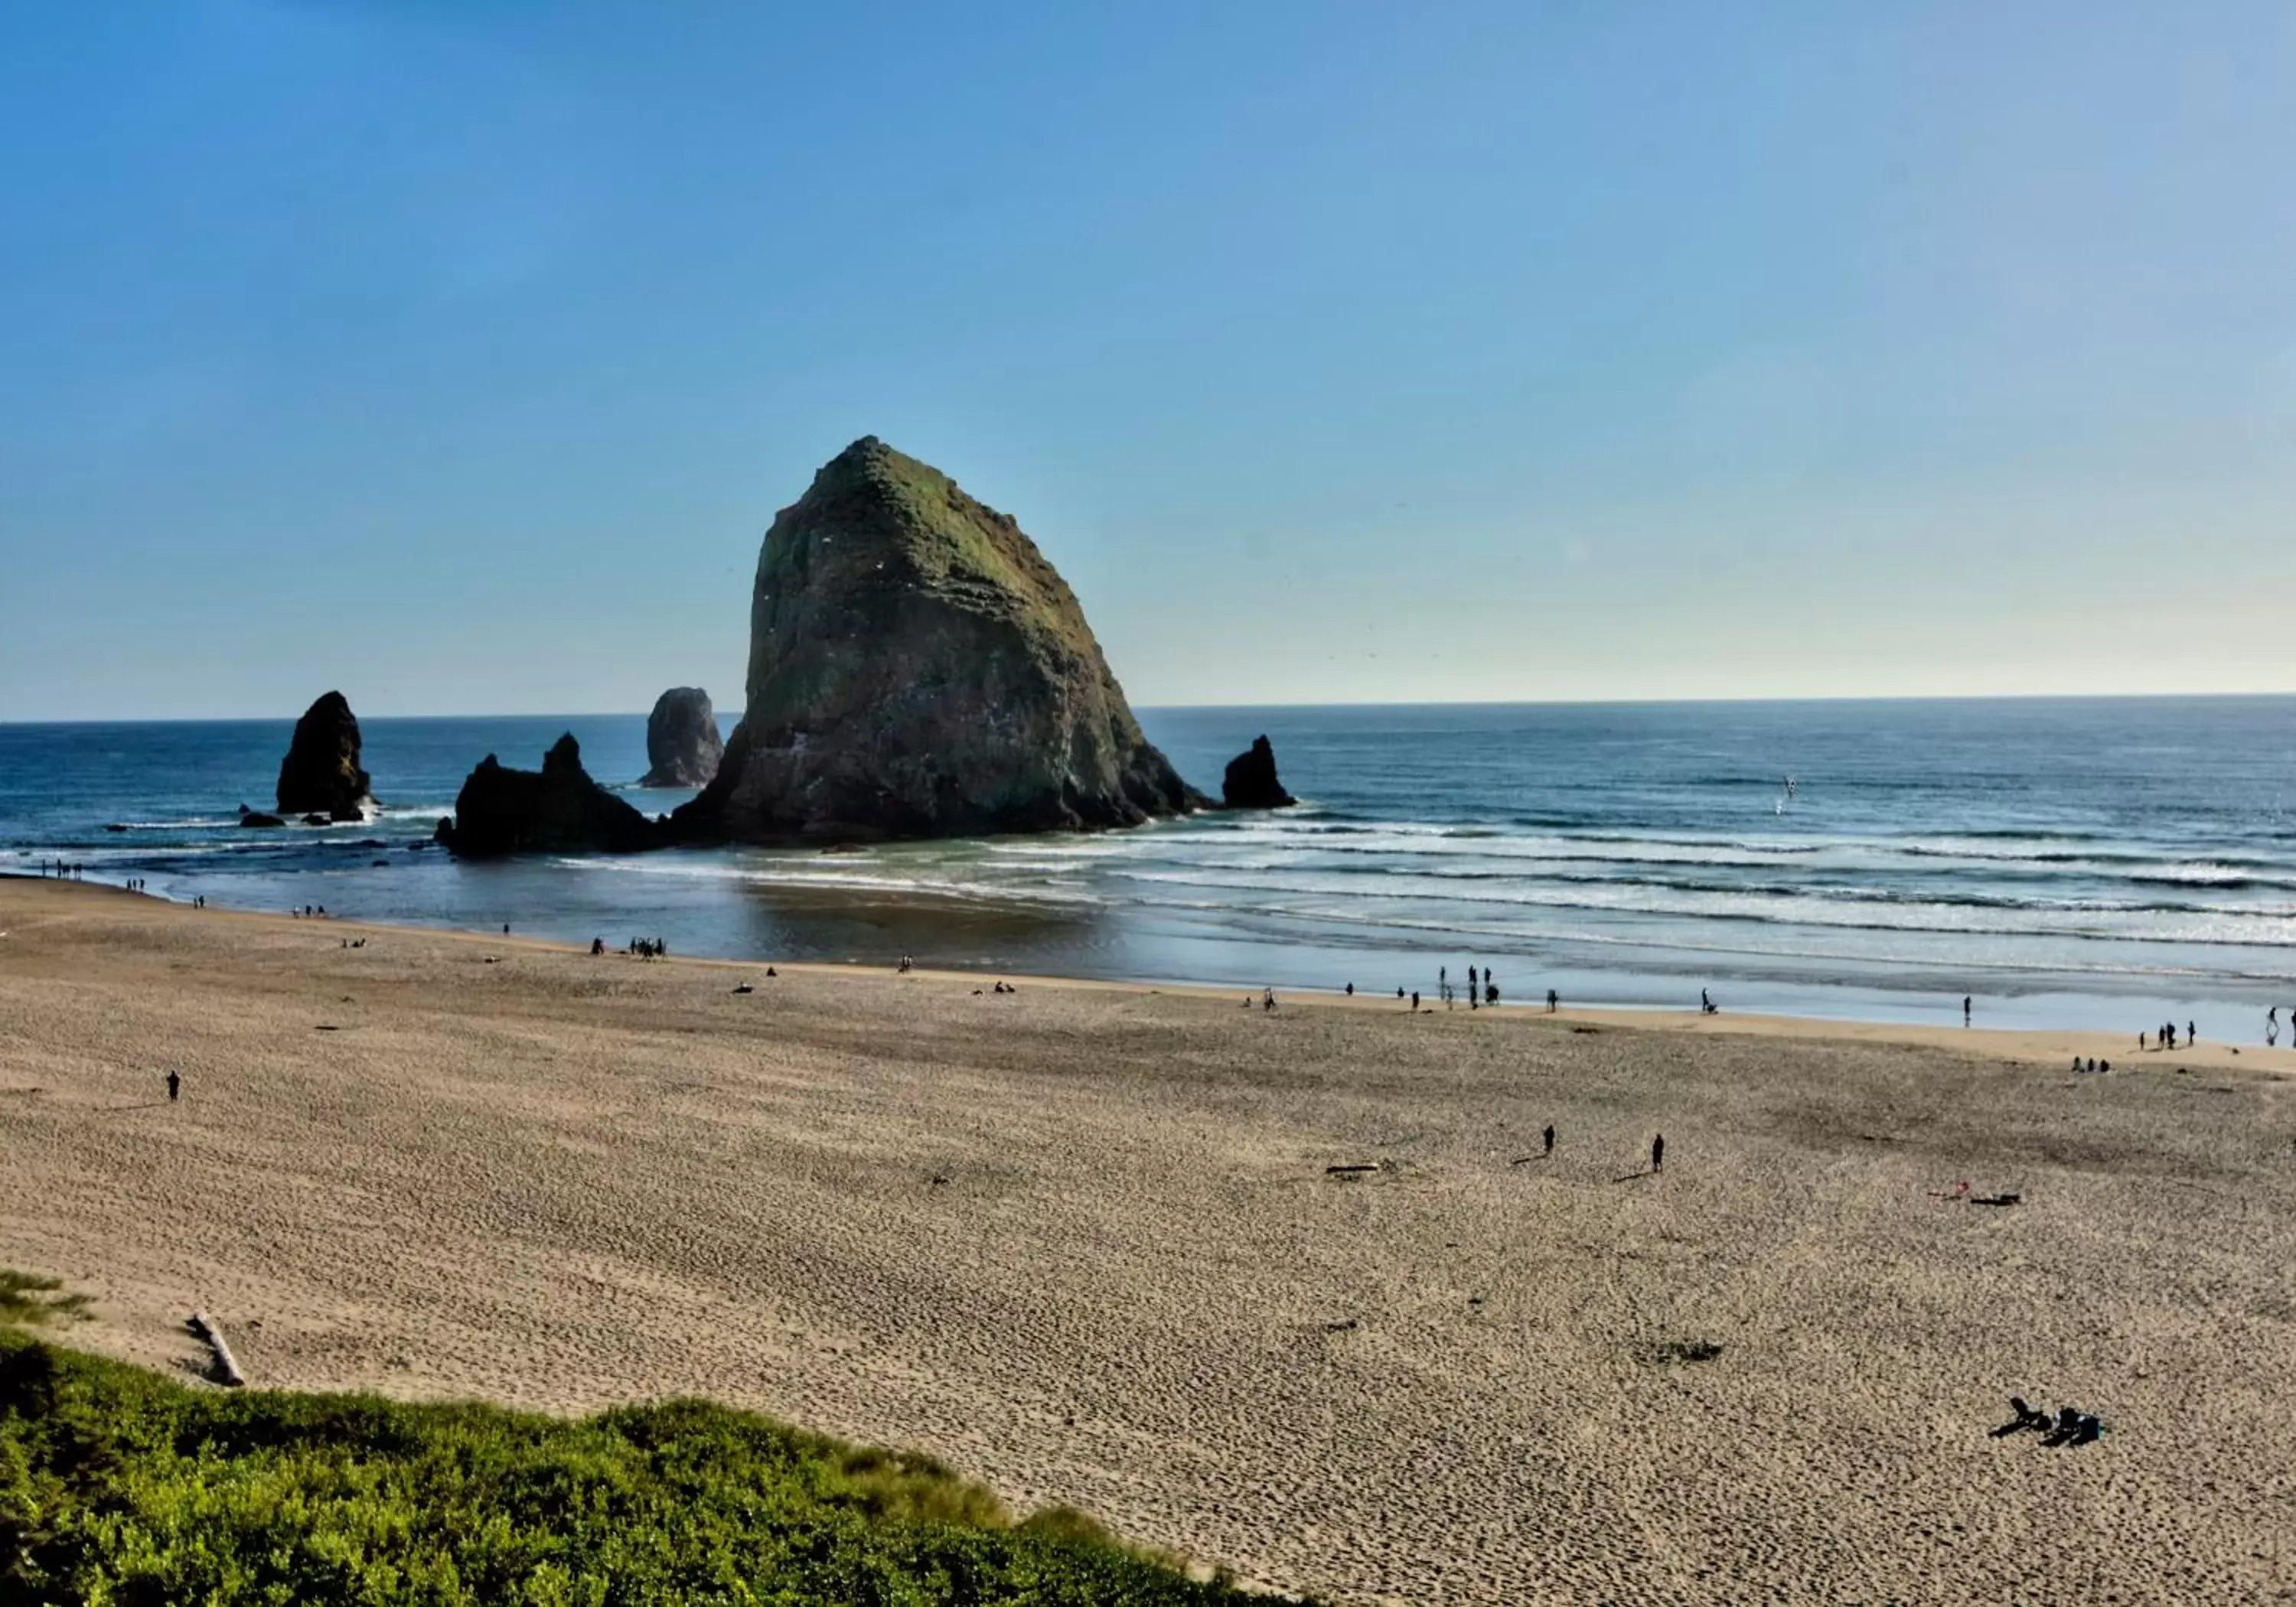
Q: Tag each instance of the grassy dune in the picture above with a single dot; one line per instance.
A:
(120, 1485)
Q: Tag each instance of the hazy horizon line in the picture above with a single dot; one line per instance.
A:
(1643, 703)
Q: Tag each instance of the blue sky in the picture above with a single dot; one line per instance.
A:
(459, 354)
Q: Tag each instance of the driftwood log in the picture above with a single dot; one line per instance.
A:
(225, 1370)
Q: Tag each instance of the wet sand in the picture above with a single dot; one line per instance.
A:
(1081, 1240)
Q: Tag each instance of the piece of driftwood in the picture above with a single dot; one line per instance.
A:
(225, 1370)
(1359, 1166)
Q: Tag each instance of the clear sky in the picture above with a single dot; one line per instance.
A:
(459, 354)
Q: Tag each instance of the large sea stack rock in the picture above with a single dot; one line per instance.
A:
(1250, 780)
(683, 746)
(918, 669)
(320, 774)
(557, 809)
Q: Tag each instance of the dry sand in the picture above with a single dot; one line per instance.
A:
(1081, 1243)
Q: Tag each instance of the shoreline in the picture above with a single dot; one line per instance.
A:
(2034, 1045)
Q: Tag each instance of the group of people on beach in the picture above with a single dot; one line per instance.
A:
(309, 912)
(2164, 1037)
(61, 870)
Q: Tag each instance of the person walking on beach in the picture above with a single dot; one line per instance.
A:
(175, 1085)
(2191, 1035)
(1965, 1009)
(1658, 1154)
(1414, 1003)
(1549, 1150)
(1554, 1001)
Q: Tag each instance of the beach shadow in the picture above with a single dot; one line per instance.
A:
(1631, 1176)
(149, 1104)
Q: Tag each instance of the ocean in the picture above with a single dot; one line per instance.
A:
(2108, 862)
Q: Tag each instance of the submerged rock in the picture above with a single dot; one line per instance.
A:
(918, 669)
(557, 808)
(320, 774)
(683, 746)
(1251, 783)
(257, 818)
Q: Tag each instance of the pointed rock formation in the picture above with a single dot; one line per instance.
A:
(1250, 780)
(918, 669)
(557, 809)
(320, 774)
(683, 746)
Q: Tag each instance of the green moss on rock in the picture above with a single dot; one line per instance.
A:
(917, 669)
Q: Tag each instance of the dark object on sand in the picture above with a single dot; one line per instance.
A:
(2073, 1427)
(917, 669)
(1251, 783)
(320, 774)
(223, 1367)
(257, 818)
(1994, 1199)
(744, 987)
(2025, 1418)
(1351, 1168)
(558, 809)
(683, 746)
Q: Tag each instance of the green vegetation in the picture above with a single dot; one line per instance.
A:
(119, 1485)
(31, 1301)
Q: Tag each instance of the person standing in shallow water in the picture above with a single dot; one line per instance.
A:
(1658, 1154)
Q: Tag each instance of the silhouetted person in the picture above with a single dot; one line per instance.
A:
(1965, 1009)
(1658, 1154)
(1554, 1001)
(1414, 1004)
(2191, 1035)
(597, 945)
(505, 929)
(1351, 990)
(1705, 1002)
(175, 1085)
(1549, 1150)
(1490, 989)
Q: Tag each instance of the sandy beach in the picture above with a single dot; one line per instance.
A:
(1084, 1242)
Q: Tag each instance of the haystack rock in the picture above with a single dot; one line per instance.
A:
(1250, 780)
(320, 774)
(918, 669)
(557, 809)
(683, 746)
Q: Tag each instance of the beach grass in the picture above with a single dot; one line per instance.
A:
(119, 1485)
(31, 1301)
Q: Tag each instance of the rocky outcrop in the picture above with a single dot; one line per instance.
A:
(556, 809)
(257, 818)
(320, 774)
(1251, 783)
(683, 746)
(918, 669)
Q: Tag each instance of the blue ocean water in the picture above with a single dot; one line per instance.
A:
(2106, 862)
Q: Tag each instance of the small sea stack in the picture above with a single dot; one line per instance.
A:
(917, 669)
(556, 809)
(1251, 783)
(320, 774)
(683, 746)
